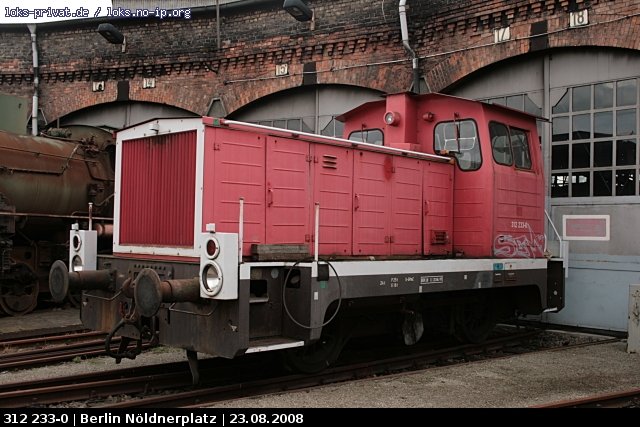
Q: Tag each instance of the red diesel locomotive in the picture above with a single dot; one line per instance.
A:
(233, 238)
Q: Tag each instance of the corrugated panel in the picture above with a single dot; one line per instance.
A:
(157, 200)
(333, 189)
(288, 188)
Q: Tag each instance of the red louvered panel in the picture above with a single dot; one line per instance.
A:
(158, 190)
(333, 189)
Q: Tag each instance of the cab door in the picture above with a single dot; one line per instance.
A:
(518, 226)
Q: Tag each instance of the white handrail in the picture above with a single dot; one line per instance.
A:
(563, 247)
(555, 230)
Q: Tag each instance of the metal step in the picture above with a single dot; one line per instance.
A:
(271, 344)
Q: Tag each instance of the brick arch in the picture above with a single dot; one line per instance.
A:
(194, 91)
(59, 99)
(441, 74)
(386, 79)
(292, 91)
(104, 108)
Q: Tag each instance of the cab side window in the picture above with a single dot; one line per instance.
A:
(510, 146)
(461, 139)
(500, 145)
(371, 136)
(520, 146)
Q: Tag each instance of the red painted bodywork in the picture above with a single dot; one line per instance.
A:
(497, 210)
(396, 201)
(371, 199)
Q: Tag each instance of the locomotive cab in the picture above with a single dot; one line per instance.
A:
(498, 184)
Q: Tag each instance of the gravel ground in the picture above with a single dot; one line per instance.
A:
(523, 380)
(96, 364)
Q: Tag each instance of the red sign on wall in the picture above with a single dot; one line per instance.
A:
(585, 227)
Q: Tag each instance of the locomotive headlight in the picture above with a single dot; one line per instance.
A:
(76, 242)
(76, 263)
(391, 118)
(219, 255)
(211, 279)
(212, 248)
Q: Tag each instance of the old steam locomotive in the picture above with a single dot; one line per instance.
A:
(46, 184)
(232, 238)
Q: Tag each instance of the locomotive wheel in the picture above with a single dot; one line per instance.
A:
(474, 321)
(19, 296)
(318, 356)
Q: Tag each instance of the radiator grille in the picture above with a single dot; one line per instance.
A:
(158, 190)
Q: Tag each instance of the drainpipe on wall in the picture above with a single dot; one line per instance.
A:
(36, 81)
(218, 23)
(402, 8)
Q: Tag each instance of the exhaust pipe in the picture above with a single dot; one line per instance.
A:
(402, 9)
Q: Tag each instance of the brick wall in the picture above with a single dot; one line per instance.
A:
(354, 42)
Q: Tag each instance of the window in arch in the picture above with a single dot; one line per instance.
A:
(594, 143)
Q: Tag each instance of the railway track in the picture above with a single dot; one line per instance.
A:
(227, 379)
(623, 399)
(15, 338)
(39, 350)
(500, 347)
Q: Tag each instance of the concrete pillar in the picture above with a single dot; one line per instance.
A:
(633, 342)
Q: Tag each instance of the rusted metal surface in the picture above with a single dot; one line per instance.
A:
(42, 340)
(150, 292)
(53, 176)
(620, 399)
(46, 184)
(32, 358)
(61, 281)
(78, 347)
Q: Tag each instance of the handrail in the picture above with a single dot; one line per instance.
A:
(555, 230)
(563, 246)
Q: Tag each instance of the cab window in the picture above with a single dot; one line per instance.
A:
(509, 146)
(371, 136)
(520, 147)
(500, 145)
(460, 138)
